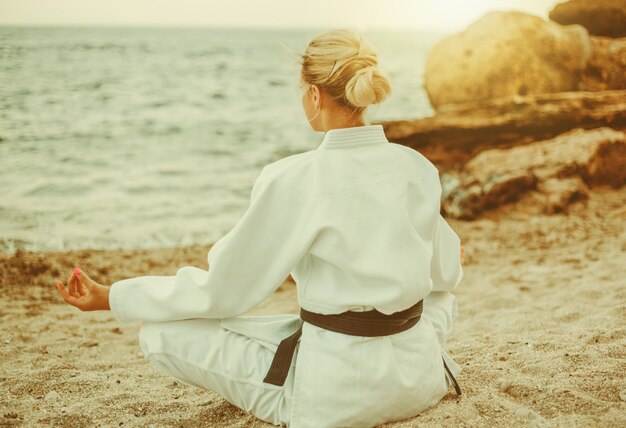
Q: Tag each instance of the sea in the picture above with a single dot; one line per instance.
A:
(145, 137)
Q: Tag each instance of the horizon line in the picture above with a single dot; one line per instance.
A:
(226, 27)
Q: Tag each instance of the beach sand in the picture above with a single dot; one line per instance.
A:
(541, 333)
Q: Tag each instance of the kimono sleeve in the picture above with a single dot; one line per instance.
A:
(446, 269)
(245, 266)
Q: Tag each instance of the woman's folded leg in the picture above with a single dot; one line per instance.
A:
(201, 353)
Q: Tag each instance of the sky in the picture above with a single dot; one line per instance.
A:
(360, 15)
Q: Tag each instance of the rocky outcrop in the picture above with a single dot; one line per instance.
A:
(503, 54)
(530, 113)
(600, 17)
(606, 68)
(560, 171)
(459, 132)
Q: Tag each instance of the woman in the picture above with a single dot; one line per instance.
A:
(356, 223)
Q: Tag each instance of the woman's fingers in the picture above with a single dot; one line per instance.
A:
(67, 297)
(85, 280)
(83, 292)
(71, 285)
(79, 287)
(76, 289)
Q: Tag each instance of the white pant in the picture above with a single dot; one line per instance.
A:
(202, 353)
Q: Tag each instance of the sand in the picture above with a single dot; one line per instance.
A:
(541, 333)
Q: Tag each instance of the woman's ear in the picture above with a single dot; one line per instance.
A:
(317, 96)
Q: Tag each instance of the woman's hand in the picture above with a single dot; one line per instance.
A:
(84, 293)
(462, 254)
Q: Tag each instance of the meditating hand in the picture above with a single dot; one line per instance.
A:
(83, 292)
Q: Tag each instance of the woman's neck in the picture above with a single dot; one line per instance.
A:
(332, 120)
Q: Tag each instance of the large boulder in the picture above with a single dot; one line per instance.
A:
(561, 170)
(504, 54)
(600, 17)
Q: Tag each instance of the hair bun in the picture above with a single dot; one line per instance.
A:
(344, 65)
(368, 86)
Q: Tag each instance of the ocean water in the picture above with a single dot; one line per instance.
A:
(121, 137)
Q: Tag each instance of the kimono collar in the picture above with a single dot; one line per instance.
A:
(354, 136)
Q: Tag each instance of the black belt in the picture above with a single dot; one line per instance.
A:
(369, 323)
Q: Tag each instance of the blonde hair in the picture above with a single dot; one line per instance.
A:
(345, 66)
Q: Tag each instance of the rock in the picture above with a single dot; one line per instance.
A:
(473, 197)
(599, 17)
(576, 152)
(622, 395)
(503, 384)
(561, 193)
(560, 169)
(52, 395)
(606, 165)
(501, 189)
(459, 132)
(503, 54)
(605, 69)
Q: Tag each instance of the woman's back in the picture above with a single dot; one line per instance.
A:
(374, 211)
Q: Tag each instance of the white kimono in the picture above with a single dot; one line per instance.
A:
(356, 223)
